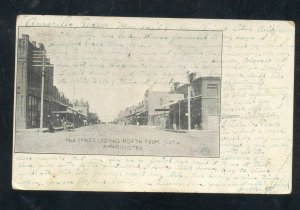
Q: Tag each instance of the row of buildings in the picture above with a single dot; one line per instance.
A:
(169, 110)
(57, 107)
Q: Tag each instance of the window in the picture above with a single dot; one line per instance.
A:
(212, 89)
(29, 77)
(23, 47)
(212, 85)
(22, 73)
(29, 111)
(21, 105)
(38, 105)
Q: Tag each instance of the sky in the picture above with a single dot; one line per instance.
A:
(112, 68)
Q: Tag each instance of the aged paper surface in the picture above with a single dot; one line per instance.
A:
(154, 105)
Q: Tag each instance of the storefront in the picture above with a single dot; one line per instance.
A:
(70, 117)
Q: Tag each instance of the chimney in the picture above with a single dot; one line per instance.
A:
(176, 85)
(25, 36)
(192, 76)
(41, 46)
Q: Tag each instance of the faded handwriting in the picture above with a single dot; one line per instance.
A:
(256, 119)
(124, 56)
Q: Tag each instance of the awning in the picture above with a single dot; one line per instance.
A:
(67, 112)
(75, 110)
(159, 110)
(137, 113)
(62, 112)
(163, 107)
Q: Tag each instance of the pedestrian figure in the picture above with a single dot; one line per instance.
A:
(51, 127)
(61, 122)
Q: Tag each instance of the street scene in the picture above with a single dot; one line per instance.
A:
(111, 139)
(141, 101)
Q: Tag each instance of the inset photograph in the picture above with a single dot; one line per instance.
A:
(107, 91)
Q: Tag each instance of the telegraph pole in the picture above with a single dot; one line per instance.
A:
(189, 107)
(190, 79)
(179, 123)
(40, 60)
(42, 96)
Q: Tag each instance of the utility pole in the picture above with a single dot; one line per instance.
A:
(190, 79)
(189, 107)
(74, 102)
(40, 60)
(179, 123)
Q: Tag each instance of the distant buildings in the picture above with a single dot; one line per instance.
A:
(28, 92)
(169, 110)
(82, 106)
(157, 105)
(146, 112)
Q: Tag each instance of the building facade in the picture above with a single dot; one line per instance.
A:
(28, 89)
(169, 110)
(151, 111)
(205, 104)
(157, 106)
(82, 106)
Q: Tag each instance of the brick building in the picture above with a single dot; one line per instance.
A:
(205, 104)
(28, 90)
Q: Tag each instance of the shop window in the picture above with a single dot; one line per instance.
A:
(22, 72)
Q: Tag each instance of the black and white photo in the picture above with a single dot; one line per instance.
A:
(118, 91)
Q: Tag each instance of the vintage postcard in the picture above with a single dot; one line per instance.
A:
(158, 105)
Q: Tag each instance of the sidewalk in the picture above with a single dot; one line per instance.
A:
(38, 129)
(32, 130)
(172, 130)
(187, 131)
